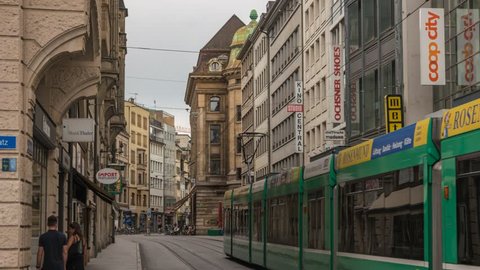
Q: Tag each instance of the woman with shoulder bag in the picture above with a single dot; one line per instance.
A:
(76, 247)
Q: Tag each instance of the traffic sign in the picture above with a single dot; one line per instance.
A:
(8, 142)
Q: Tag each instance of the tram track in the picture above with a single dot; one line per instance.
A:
(216, 249)
(176, 254)
(181, 258)
(196, 255)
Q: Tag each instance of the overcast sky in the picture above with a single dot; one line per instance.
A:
(180, 25)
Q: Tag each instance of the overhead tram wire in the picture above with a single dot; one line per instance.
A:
(161, 49)
(314, 36)
(155, 79)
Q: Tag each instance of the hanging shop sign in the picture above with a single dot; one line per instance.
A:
(44, 130)
(336, 110)
(299, 117)
(432, 46)
(334, 135)
(78, 130)
(468, 46)
(108, 176)
(393, 113)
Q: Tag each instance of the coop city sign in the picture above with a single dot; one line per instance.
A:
(432, 46)
(468, 46)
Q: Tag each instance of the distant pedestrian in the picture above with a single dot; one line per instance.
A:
(76, 248)
(52, 247)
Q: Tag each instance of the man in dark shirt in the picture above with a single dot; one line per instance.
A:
(52, 248)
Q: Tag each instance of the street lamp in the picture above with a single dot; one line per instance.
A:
(245, 138)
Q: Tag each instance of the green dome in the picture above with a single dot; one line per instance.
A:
(241, 37)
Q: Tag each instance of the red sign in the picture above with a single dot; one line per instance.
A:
(295, 108)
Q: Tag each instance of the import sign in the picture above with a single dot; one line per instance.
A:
(108, 176)
(432, 46)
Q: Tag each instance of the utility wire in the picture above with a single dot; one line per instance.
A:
(155, 79)
(161, 49)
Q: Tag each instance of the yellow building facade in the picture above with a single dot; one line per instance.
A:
(138, 195)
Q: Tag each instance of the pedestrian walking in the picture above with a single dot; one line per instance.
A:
(76, 248)
(52, 247)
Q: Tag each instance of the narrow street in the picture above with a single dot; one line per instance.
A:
(165, 252)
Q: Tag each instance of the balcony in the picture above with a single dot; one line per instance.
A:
(157, 138)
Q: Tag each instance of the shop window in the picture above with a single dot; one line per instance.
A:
(354, 26)
(371, 106)
(214, 133)
(215, 104)
(386, 10)
(39, 191)
(369, 20)
(215, 165)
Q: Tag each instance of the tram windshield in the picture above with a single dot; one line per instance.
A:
(468, 209)
(383, 215)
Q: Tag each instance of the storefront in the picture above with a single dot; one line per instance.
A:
(40, 149)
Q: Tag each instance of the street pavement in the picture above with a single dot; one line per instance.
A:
(123, 255)
(158, 252)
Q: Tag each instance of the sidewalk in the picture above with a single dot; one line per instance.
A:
(123, 255)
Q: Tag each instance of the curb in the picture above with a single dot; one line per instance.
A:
(139, 258)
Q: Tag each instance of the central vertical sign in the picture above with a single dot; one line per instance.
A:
(336, 104)
(298, 117)
(432, 46)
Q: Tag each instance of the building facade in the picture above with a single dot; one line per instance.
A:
(157, 172)
(255, 70)
(139, 172)
(285, 32)
(324, 55)
(168, 192)
(213, 99)
(58, 62)
(183, 207)
(122, 161)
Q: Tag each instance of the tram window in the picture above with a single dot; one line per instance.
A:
(257, 221)
(468, 209)
(316, 219)
(228, 216)
(283, 220)
(383, 215)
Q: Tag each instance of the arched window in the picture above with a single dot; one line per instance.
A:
(215, 104)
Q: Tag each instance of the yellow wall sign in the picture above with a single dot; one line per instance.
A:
(393, 113)
(461, 119)
(355, 155)
(421, 132)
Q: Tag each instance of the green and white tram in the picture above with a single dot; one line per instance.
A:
(460, 165)
(318, 187)
(385, 201)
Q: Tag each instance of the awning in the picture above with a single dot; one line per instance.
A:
(96, 189)
(181, 202)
